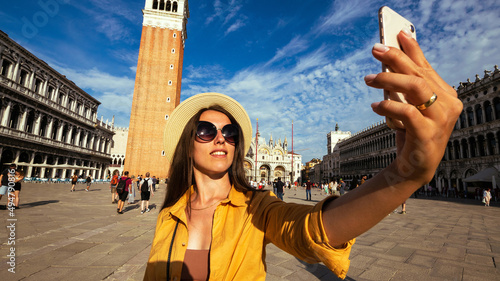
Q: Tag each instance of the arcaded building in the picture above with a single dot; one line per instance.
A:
(473, 146)
(367, 152)
(474, 143)
(157, 87)
(48, 125)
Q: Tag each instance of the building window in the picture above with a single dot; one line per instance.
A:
(175, 35)
(5, 68)
(162, 5)
(61, 98)
(24, 78)
(163, 153)
(169, 6)
(168, 99)
(170, 82)
(496, 105)
(174, 7)
(479, 114)
(470, 116)
(38, 86)
(171, 66)
(173, 50)
(166, 117)
(155, 4)
(488, 111)
(51, 93)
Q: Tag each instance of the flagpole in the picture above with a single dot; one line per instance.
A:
(256, 147)
(292, 181)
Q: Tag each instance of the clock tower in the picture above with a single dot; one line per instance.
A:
(157, 85)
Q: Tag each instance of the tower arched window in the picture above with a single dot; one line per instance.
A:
(155, 4)
(169, 6)
(174, 7)
(162, 5)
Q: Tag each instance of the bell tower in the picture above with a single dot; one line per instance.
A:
(157, 84)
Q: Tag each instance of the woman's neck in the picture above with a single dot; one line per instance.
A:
(210, 188)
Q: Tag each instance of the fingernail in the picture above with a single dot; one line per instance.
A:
(375, 104)
(406, 32)
(370, 77)
(380, 47)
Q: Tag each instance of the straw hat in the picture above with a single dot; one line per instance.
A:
(188, 108)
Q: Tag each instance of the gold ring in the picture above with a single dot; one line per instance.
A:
(426, 105)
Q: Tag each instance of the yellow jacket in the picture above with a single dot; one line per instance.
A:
(243, 224)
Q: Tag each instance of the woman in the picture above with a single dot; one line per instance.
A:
(112, 186)
(19, 176)
(487, 197)
(213, 225)
(74, 179)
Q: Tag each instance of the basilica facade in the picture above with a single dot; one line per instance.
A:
(269, 160)
(48, 125)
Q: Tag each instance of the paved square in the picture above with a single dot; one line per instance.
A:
(62, 235)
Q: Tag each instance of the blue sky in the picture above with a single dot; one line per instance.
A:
(282, 60)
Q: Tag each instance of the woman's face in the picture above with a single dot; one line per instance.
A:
(216, 156)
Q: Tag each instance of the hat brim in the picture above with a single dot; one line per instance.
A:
(187, 109)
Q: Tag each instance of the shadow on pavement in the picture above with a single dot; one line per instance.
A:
(39, 203)
(322, 272)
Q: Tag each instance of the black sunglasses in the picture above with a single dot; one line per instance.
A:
(207, 131)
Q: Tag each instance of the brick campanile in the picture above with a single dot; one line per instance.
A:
(157, 85)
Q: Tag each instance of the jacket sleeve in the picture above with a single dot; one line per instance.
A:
(298, 229)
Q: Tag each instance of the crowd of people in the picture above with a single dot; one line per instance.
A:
(122, 189)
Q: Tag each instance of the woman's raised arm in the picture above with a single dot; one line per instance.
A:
(420, 147)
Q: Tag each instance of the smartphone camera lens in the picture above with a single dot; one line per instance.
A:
(412, 28)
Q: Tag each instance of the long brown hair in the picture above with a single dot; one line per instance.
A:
(181, 176)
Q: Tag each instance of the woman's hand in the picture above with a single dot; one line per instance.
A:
(420, 146)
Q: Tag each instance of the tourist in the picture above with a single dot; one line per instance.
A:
(112, 186)
(308, 190)
(4, 180)
(146, 192)
(214, 224)
(88, 180)
(74, 180)
(486, 197)
(19, 175)
(127, 182)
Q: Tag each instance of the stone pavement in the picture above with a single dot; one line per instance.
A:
(61, 235)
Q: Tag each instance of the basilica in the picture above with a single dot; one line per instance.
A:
(269, 160)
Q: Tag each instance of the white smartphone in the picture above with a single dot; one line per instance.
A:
(390, 24)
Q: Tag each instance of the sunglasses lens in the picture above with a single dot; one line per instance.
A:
(206, 131)
(230, 133)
